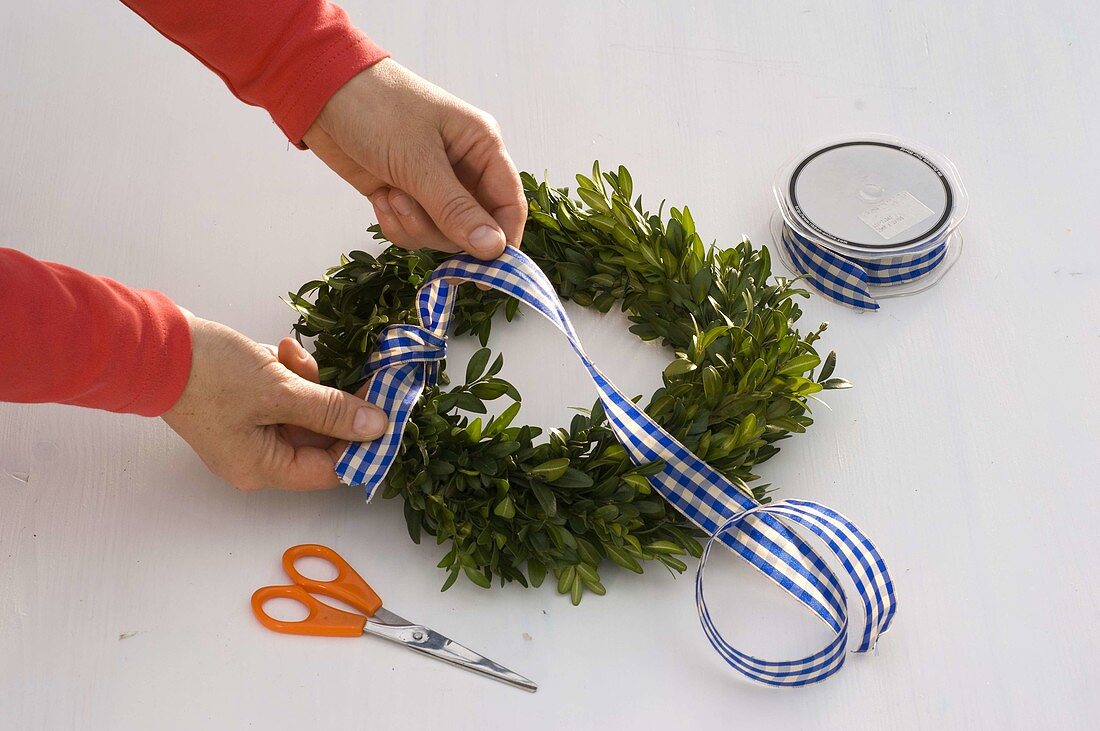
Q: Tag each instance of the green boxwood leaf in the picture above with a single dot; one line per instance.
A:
(639, 483)
(451, 577)
(413, 523)
(573, 478)
(576, 591)
(552, 469)
(469, 402)
(476, 367)
(536, 572)
(664, 547)
(565, 579)
(679, 367)
(836, 383)
(588, 573)
(501, 422)
(799, 364)
(546, 498)
(477, 577)
(490, 390)
(505, 508)
(621, 557)
(712, 382)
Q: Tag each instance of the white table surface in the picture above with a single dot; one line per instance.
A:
(968, 448)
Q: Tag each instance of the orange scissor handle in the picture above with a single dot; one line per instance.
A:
(348, 586)
(322, 620)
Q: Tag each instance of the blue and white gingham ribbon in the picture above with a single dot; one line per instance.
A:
(847, 279)
(766, 536)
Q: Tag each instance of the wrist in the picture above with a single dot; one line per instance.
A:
(380, 93)
(351, 96)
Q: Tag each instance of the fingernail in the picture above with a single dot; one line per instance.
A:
(302, 353)
(487, 240)
(369, 422)
(381, 204)
(403, 204)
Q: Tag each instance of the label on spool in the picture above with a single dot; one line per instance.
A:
(896, 214)
(870, 194)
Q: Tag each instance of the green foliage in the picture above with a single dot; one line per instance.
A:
(514, 506)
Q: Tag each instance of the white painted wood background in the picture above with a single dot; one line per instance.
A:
(968, 448)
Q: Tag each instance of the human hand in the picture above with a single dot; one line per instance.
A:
(296, 359)
(256, 423)
(434, 168)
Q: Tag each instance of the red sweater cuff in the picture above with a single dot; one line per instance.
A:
(165, 362)
(347, 53)
(74, 338)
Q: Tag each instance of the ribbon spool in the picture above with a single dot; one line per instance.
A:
(867, 218)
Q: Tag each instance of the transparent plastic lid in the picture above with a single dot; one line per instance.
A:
(871, 196)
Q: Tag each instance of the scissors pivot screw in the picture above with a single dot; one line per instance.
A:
(418, 636)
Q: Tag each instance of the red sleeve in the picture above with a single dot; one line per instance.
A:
(287, 56)
(73, 338)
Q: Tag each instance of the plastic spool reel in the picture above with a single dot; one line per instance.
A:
(869, 198)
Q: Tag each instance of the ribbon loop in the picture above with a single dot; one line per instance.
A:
(763, 535)
(863, 565)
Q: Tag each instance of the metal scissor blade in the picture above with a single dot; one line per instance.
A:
(386, 624)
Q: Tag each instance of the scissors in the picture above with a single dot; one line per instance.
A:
(350, 588)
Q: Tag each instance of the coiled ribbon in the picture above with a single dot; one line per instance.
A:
(846, 279)
(767, 536)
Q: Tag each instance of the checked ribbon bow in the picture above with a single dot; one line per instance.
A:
(767, 536)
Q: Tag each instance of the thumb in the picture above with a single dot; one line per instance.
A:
(456, 212)
(331, 412)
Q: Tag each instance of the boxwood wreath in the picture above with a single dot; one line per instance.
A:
(514, 506)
